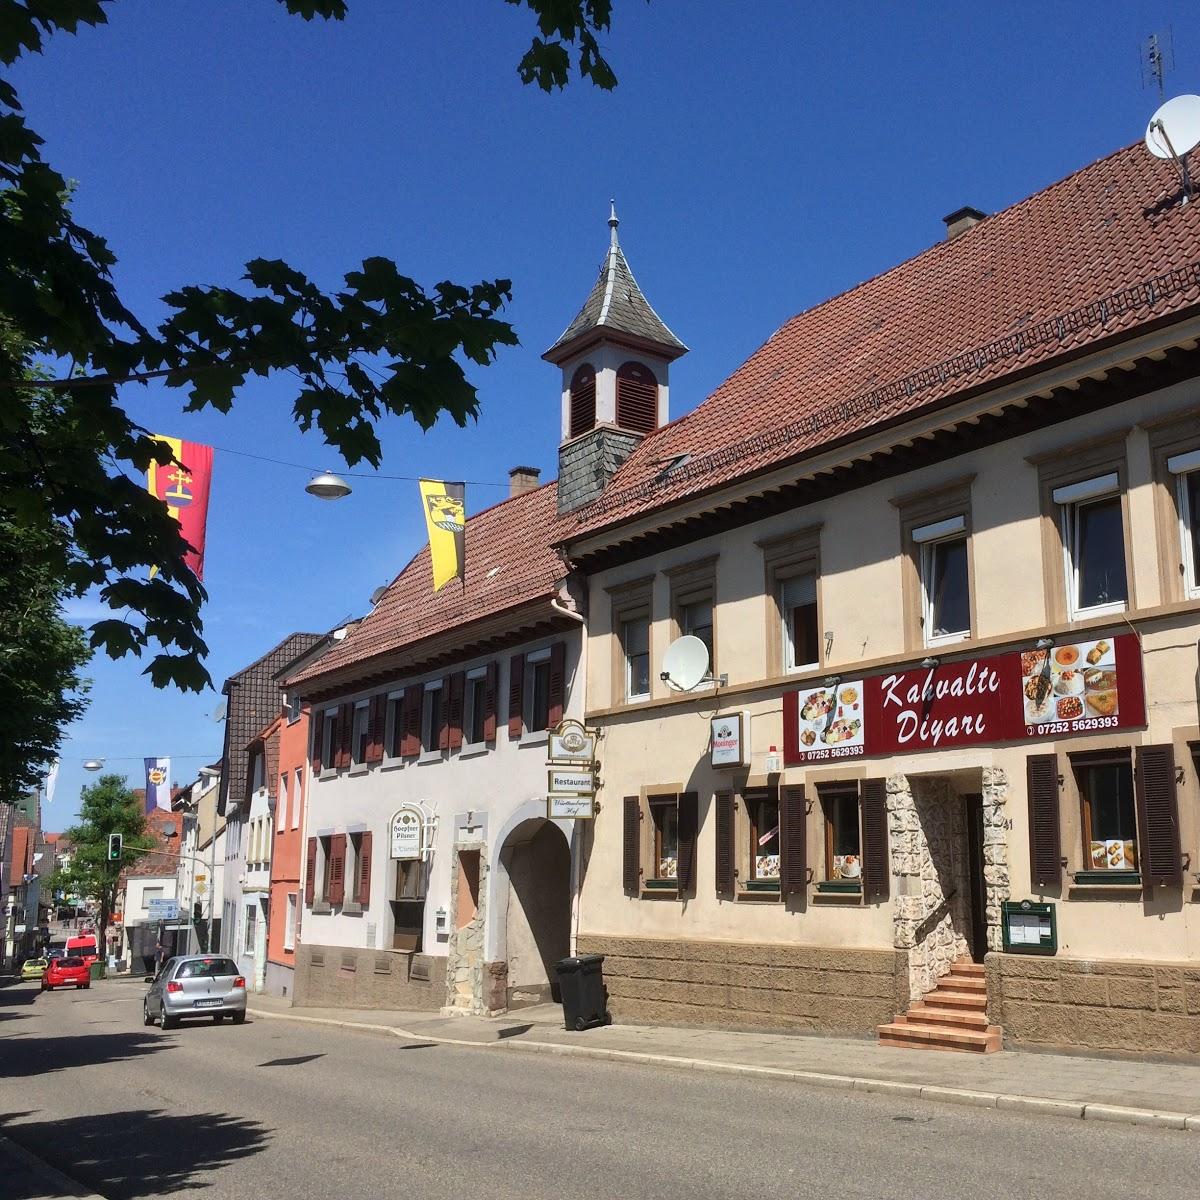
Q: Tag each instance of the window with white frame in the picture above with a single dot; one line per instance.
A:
(1093, 537)
(536, 708)
(251, 916)
(289, 928)
(283, 801)
(296, 797)
(258, 774)
(431, 717)
(635, 646)
(798, 608)
(328, 732)
(475, 706)
(696, 620)
(945, 581)
(293, 705)
(149, 894)
(1186, 470)
(360, 732)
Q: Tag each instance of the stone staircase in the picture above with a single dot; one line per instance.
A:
(951, 1017)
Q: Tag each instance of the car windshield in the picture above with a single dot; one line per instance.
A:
(70, 962)
(207, 968)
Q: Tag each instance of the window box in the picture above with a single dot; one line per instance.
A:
(840, 886)
(762, 885)
(1108, 878)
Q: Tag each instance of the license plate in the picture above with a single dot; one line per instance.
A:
(209, 1003)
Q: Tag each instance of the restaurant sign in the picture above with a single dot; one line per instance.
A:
(1052, 691)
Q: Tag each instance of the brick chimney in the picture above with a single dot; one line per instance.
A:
(522, 480)
(962, 219)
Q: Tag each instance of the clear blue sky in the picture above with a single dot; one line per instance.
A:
(763, 157)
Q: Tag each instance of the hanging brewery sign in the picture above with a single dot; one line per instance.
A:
(407, 829)
(570, 743)
(727, 740)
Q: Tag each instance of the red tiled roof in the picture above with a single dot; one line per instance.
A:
(966, 312)
(151, 863)
(510, 561)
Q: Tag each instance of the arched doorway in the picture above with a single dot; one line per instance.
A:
(537, 923)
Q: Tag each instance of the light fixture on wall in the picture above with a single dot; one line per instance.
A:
(1044, 643)
(831, 681)
(929, 663)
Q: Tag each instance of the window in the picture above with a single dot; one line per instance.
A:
(537, 691)
(258, 777)
(326, 869)
(945, 586)
(798, 607)
(393, 730)
(283, 801)
(635, 646)
(292, 706)
(328, 734)
(1093, 544)
(408, 906)
(696, 620)
(149, 894)
(289, 927)
(297, 798)
(475, 707)
(251, 917)
(1109, 815)
(583, 400)
(664, 813)
(431, 717)
(843, 841)
(764, 837)
(209, 968)
(1186, 470)
(360, 732)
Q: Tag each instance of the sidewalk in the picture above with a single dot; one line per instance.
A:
(1152, 1093)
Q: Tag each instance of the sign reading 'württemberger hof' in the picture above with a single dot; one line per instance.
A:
(571, 780)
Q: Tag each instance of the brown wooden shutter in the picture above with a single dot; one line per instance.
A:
(1045, 840)
(337, 869)
(583, 400)
(632, 860)
(489, 702)
(516, 693)
(410, 746)
(310, 879)
(443, 730)
(724, 864)
(793, 840)
(364, 870)
(1159, 851)
(637, 398)
(558, 682)
(318, 727)
(457, 686)
(876, 862)
(345, 732)
(378, 712)
(689, 829)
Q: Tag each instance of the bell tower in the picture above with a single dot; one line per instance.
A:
(615, 359)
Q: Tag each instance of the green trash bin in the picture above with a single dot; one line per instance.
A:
(96, 970)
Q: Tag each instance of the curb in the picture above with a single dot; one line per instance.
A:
(59, 1184)
(1039, 1105)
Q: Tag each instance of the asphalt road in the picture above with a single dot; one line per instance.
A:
(276, 1109)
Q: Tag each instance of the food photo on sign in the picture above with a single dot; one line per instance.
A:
(831, 721)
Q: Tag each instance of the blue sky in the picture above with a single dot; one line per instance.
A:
(763, 157)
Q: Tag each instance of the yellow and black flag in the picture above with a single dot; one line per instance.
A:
(445, 517)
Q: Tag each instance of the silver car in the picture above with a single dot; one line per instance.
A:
(195, 985)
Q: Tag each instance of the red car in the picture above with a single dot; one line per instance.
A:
(66, 972)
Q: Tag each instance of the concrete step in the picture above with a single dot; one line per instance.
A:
(927, 1014)
(946, 997)
(964, 982)
(966, 967)
(939, 1037)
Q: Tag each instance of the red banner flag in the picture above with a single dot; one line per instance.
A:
(183, 487)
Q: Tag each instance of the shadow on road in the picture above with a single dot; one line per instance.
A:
(27, 1056)
(136, 1153)
(14, 992)
(292, 1062)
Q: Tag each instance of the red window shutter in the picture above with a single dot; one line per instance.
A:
(410, 747)
(637, 398)
(1045, 842)
(310, 878)
(490, 684)
(876, 861)
(457, 684)
(318, 733)
(793, 840)
(516, 694)
(337, 869)
(583, 400)
(1159, 851)
(378, 711)
(725, 868)
(443, 730)
(689, 829)
(558, 682)
(364, 870)
(791, 728)
(632, 858)
(345, 728)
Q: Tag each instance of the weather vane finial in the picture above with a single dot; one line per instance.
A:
(613, 221)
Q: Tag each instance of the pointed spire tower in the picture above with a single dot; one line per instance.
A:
(615, 360)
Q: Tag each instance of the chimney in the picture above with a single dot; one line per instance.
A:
(962, 219)
(522, 480)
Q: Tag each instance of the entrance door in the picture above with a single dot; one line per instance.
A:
(976, 888)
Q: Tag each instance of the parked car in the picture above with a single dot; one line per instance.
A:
(66, 972)
(34, 968)
(195, 985)
(56, 952)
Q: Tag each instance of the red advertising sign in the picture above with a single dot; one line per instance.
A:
(1077, 687)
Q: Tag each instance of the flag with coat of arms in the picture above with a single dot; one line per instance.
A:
(158, 784)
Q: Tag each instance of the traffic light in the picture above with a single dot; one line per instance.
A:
(115, 843)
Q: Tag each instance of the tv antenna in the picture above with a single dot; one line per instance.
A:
(1173, 132)
(1157, 58)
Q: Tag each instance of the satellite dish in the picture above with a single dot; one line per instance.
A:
(1175, 128)
(685, 664)
(218, 713)
(377, 594)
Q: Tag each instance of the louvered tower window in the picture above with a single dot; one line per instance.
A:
(583, 400)
(637, 398)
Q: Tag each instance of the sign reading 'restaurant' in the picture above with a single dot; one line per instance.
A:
(1077, 687)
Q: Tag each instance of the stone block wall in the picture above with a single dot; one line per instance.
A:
(1136, 1006)
(745, 985)
(586, 464)
(351, 977)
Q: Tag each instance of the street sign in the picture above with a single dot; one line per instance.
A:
(163, 910)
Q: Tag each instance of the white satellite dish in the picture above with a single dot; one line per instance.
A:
(377, 594)
(219, 713)
(1175, 128)
(685, 664)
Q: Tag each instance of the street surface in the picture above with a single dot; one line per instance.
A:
(280, 1109)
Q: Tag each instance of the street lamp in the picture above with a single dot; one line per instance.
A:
(327, 486)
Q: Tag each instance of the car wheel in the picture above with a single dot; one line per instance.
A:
(147, 1019)
(86, 986)
(239, 1018)
(169, 1022)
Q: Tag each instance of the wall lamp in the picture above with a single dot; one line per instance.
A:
(1044, 643)
(929, 663)
(831, 681)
